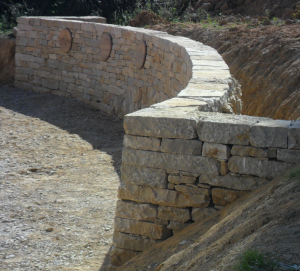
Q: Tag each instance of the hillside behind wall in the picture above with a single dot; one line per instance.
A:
(183, 158)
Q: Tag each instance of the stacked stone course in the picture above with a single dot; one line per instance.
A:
(172, 179)
(183, 159)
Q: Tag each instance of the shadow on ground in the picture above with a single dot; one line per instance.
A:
(70, 115)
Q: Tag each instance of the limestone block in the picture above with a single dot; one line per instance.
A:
(144, 176)
(193, 189)
(234, 182)
(142, 143)
(161, 123)
(161, 222)
(260, 168)
(49, 83)
(214, 150)
(136, 211)
(224, 197)
(171, 186)
(270, 133)
(249, 151)
(161, 197)
(197, 164)
(178, 226)
(173, 179)
(192, 147)
(136, 243)
(175, 214)
(151, 230)
(272, 153)
(120, 256)
(294, 136)
(224, 168)
(199, 214)
(290, 156)
(225, 129)
(90, 27)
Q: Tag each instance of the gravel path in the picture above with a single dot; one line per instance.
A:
(59, 173)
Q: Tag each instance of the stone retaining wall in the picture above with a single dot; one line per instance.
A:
(116, 86)
(183, 158)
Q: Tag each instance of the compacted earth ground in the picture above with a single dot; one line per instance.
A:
(59, 173)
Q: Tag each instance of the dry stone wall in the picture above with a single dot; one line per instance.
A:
(183, 158)
(116, 86)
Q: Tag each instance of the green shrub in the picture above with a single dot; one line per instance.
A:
(294, 174)
(252, 260)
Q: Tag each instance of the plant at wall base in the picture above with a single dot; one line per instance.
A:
(252, 260)
(294, 174)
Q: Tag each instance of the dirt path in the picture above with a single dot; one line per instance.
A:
(59, 173)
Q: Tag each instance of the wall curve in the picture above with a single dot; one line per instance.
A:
(116, 86)
(184, 159)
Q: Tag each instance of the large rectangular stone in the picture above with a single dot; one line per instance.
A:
(193, 189)
(249, 151)
(151, 230)
(294, 136)
(173, 179)
(197, 164)
(161, 197)
(142, 143)
(225, 129)
(260, 168)
(248, 183)
(136, 243)
(224, 197)
(175, 214)
(169, 123)
(290, 156)
(217, 151)
(270, 133)
(136, 211)
(190, 147)
(144, 176)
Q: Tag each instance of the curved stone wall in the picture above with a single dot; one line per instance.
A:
(116, 86)
(183, 158)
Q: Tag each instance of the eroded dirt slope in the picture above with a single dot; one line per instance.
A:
(266, 219)
(264, 59)
(59, 166)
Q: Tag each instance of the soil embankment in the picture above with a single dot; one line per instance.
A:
(266, 219)
(264, 59)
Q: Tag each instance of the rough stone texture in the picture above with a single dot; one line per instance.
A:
(161, 197)
(294, 136)
(178, 226)
(234, 182)
(136, 211)
(171, 161)
(144, 176)
(224, 197)
(218, 151)
(270, 133)
(250, 151)
(202, 213)
(175, 214)
(224, 129)
(193, 190)
(290, 156)
(142, 143)
(119, 256)
(224, 168)
(181, 179)
(190, 147)
(151, 230)
(132, 242)
(158, 123)
(260, 168)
